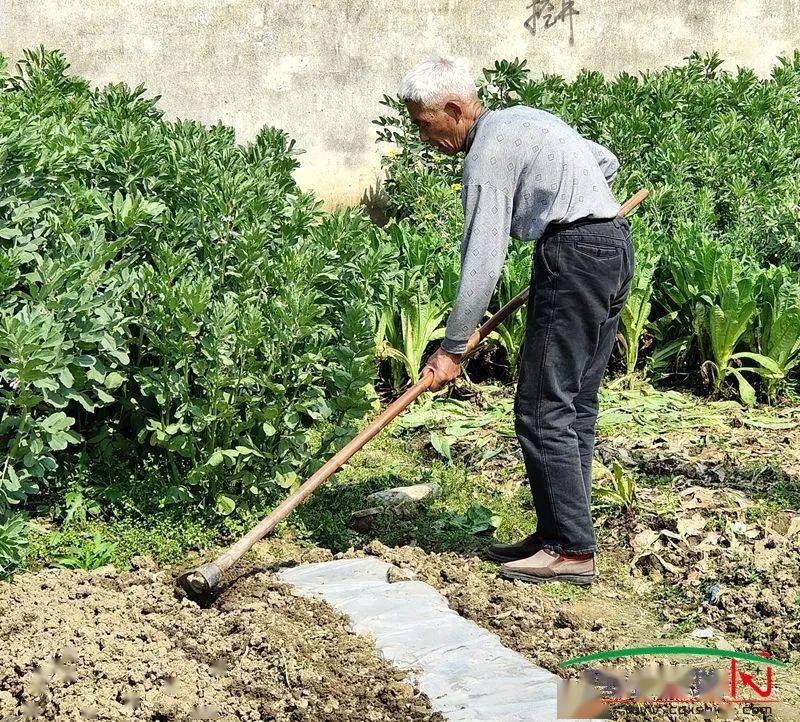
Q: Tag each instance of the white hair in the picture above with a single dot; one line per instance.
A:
(431, 82)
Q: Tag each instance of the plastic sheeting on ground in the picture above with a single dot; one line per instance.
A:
(465, 670)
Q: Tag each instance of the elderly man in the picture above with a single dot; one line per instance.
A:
(529, 174)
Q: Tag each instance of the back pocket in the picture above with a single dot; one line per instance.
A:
(597, 251)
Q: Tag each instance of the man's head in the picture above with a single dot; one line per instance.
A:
(443, 103)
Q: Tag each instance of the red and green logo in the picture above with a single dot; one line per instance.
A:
(747, 679)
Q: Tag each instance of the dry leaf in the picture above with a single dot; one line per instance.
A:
(691, 526)
(674, 568)
(739, 498)
(722, 643)
(698, 498)
(672, 535)
(644, 540)
(709, 543)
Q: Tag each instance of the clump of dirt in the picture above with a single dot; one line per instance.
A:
(109, 645)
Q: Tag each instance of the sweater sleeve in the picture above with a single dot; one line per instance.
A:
(487, 226)
(607, 161)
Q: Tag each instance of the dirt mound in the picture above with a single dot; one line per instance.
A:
(108, 645)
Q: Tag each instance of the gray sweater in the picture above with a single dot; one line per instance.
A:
(525, 168)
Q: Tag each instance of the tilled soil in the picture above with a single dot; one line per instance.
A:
(108, 645)
(548, 631)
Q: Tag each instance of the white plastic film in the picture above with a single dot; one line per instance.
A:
(464, 669)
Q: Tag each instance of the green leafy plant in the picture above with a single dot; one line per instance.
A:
(414, 309)
(443, 445)
(62, 339)
(164, 288)
(717, 294)
(729, 318)
(636, 313)
(779, 325)
(475, 520)
(620, 493)
(515, 278)
(13, 539)
(91, 553)
(79, 507)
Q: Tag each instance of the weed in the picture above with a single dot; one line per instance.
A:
(93, 552)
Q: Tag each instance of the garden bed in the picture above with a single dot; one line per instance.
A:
(259, 649)
(110, 645)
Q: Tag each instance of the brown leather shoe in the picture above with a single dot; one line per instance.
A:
(511, 552)
(547, 566)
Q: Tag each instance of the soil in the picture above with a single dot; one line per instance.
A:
(108, 645)
(694, 556)
(549, 631)
(617, 612)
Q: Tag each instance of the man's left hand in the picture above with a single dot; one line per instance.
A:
(446, 367)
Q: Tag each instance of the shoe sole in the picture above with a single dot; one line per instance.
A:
(579, 579)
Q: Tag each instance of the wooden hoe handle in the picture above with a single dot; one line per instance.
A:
(205, 578)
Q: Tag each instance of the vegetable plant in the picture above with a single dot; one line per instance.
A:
(164, 289)
(779, 325)
(636, 312)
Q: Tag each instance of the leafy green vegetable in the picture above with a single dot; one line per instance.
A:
(163, 287)
(619, 493)
(636, 313)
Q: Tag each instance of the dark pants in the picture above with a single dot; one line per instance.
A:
(581, 277)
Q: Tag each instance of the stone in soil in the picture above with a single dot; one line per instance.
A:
(403, 499)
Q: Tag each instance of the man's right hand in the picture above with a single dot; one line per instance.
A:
(445, 366)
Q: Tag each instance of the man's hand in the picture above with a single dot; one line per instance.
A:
(446, 366)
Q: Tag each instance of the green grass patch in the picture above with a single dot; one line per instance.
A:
(94, 543)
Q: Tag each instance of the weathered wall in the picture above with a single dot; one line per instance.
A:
(319, 67)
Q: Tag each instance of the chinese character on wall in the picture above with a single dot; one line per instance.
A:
(547, 13)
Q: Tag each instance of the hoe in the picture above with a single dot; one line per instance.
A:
(205, 580)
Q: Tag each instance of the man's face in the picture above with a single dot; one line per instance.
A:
(443, 127)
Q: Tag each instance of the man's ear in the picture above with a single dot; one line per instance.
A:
(454, 110)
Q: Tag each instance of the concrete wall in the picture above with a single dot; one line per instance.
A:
(318, 68)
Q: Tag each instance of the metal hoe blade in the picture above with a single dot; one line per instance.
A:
(201, 582)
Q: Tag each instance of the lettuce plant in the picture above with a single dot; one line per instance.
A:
(719, 152)
(515, 278)
(779, 325)
(635, 315)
